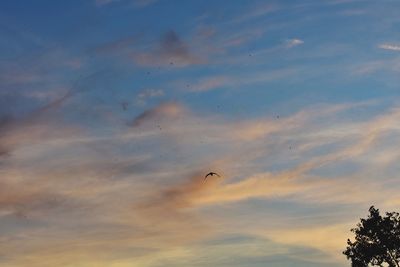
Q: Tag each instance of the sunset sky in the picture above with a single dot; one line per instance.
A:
(112, 112)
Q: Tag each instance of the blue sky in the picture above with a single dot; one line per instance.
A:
(112, 112)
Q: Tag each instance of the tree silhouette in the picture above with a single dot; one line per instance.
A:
(377, 241)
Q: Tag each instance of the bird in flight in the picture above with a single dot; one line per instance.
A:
(211, 174)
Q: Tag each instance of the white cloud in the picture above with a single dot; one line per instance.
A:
(393, 47)
(294, 42)
(141, 187)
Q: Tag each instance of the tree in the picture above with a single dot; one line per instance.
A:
(377, 241)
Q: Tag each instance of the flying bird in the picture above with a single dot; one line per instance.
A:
(211, 174)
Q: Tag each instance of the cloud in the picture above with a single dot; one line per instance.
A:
(38, 70)
(265, 185)
(239, 38)
(234, 81)
(168, 50)
(210, 83)
(353, 12)
(176, 199)
(292, 181)
(145, 95)
(29, 126)
(293, 42)
(369, 67)
(255, 12)
(331, 239)
(17, 130)
(136, 194)
(171, 50)
(27, 201)
(388, 65)
(179, 196)
(393, 47)
(164, 111)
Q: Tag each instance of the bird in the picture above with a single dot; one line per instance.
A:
(211, 174)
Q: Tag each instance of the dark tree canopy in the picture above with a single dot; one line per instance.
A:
(377, 241)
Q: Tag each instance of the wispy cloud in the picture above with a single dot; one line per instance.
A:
(231, 81)
(22, 127)
(330, 239)
(163, 111)
(393, 47)
(171, 50)
(293, 42)
(145, 95)
(138, 197)
(86, 183)
(211, 83)
(391, 65)
(255, 12)
(354, 12)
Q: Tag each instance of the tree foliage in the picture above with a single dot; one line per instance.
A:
(377, 241)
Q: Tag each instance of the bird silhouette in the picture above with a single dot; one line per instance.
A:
(211, 174)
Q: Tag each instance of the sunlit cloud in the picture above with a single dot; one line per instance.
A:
(229, 82)
(107, 132)
(166, 110)
(329, 239)
(114, 184)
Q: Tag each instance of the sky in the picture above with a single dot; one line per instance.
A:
(113, 111)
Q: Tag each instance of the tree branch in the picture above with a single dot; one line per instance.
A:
(393, 258)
